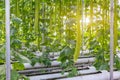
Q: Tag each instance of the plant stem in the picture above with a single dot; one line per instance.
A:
(37, 21)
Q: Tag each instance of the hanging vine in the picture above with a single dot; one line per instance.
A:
(37, 21)
(78, 32)
(115, 25)
(61, 23)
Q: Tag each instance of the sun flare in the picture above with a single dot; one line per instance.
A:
(85, 20)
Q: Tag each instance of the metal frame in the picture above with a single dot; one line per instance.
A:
(8, 65)
(7, 24)
(111, 37)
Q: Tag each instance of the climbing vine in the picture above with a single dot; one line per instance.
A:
(65, 26)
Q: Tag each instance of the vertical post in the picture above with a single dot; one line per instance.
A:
(7, 24)
(82, 27)
(111, 37)
(43, 34)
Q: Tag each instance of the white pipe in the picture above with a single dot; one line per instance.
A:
(56, 75)
(58, 53)
(104, 75)
(8, 68)
(101, 76)
(55, 63)
(111, 37)
(82, 27)
(56, 57)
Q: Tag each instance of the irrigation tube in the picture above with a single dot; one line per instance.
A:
(111, 38)
(7, 23)
(59, 75)
(56, 63)
(100, 76)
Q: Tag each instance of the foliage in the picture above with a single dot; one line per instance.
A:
(78, 36)
(59, 25)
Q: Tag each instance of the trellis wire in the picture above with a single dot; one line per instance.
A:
(111, 38)
(8, 68)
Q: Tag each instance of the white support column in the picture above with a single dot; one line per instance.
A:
(7, 24)
(111, 37)
(82, 27)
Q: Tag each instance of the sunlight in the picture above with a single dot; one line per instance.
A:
(119, 2)
(55, 33)
(64, 17)
(85, 20)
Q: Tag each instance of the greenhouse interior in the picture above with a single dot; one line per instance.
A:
(59, 39)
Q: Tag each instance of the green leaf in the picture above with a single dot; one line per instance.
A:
(18, 66)
(16, 20)
(65, 54)
(117, 62)
(73, 72)
(2, 69)
(23, 58)
(14, 75)
(34, 61)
